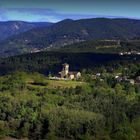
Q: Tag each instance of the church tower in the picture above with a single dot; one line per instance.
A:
(66, 69)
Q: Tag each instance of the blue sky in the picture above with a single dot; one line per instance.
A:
(56, 10)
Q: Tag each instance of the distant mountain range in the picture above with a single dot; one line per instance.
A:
(10, 28)
(68, 32)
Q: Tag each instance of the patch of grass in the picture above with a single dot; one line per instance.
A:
(43, 82)
(64, 84)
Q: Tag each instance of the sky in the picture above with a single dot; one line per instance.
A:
(56, 10)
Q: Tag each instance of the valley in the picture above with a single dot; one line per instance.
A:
(71, 80)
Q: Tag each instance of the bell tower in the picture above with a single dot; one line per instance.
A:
(66, 69)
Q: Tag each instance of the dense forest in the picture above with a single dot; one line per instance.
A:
(101, 46)
(96, 110)
(46, 62)
(101, 108)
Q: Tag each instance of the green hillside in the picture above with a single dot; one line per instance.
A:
(46, 62)
(96, 107)
(100, 46)
(33, 107)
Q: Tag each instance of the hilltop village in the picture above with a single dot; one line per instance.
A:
(65, 74)
(70, 102)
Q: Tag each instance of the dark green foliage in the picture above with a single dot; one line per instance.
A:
(100, 110)
(103, 109)
(101, 46)
(51, 62)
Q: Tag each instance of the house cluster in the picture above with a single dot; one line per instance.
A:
(119, 78)
(65, 74)
(127, 79)
(35, 50)
(130, 53)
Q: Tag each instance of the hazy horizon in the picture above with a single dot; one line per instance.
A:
(54, 10)
(69, 19)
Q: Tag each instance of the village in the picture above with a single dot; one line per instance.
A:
(119, 78)
(130, 53)
(67, 75)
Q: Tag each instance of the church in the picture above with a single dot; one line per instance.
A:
(65, 73)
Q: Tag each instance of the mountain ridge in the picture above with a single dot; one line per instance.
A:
(71, 31)
(10, 28)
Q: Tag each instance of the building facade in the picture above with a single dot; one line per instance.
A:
(65, 73)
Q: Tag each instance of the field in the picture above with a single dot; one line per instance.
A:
(54, 84)
(36, 80)
(64, 84)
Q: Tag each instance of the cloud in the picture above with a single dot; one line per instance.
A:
(56, 10)
(26, 14)
(42, 15)
(36, 15)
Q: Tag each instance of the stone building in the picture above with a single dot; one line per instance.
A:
(65, 73)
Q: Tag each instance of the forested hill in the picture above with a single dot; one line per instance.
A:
(10, 28)
(71, 31)
(46, 62)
